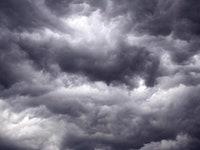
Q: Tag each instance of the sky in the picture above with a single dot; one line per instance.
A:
(99, 75)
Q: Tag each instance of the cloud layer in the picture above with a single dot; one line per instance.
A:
(99, 75)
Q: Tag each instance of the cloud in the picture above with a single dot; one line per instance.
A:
(99, 75)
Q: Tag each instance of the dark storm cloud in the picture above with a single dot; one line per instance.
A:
(160, 17)
(16, 15)
(8, 56)
(61, 89)
(24, 15)
(60, 7)
(116, 67)
(6, 144)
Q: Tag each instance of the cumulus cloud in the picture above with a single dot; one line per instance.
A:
(99, 75)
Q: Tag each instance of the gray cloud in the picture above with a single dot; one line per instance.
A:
(99, 75)
(129, 61)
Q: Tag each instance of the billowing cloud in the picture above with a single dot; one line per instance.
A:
(99, 75)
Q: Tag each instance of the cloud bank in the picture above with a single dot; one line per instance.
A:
(99, 75)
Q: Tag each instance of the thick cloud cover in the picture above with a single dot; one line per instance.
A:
(99, 75)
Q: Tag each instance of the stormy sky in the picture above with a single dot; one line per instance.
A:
(99, 75)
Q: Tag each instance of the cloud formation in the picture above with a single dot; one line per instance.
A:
(99, 75)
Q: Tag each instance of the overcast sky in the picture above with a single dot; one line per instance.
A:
(99, 75)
